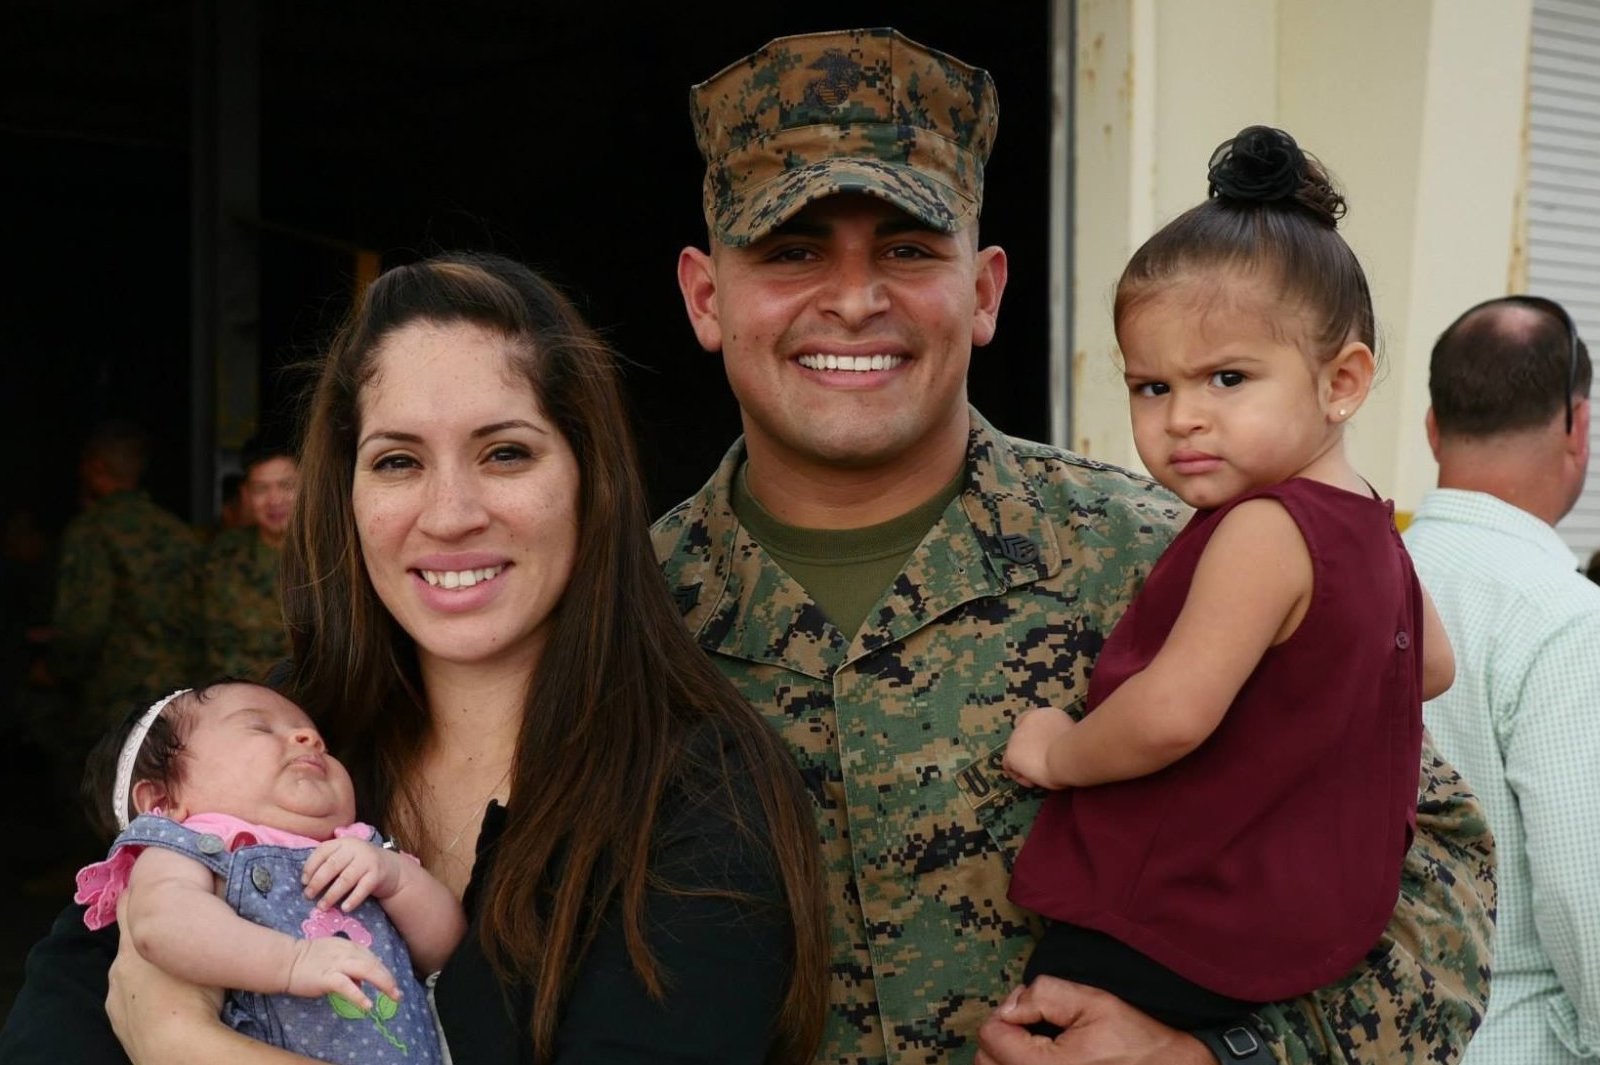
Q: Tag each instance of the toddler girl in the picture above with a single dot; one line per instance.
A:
(245, 869)
(1253, 725)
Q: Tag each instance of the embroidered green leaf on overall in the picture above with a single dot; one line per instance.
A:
(345, 1008)
(384, 1008)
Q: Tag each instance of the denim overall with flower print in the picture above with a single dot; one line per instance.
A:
(263, 886)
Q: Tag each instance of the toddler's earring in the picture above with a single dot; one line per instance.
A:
(1341, 412)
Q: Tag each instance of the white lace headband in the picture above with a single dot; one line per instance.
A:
(130, 754)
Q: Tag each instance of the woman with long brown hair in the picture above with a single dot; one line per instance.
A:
(482, 634)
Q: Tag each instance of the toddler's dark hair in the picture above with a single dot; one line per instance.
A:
(160, 755)
(1271, 210)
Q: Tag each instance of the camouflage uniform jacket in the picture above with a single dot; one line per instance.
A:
(899, 733)
(241, 618)
(125, 592)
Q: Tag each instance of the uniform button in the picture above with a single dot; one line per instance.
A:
(261, 877)
(1401, 640)
(209, 844)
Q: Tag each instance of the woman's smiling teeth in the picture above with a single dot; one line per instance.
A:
(851, 363)
(463, 578)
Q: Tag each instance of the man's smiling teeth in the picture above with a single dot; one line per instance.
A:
(851, 363)
(464, 578)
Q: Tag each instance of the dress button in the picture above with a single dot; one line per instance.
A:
(209, 844)
(1401, 640)
(261, 877)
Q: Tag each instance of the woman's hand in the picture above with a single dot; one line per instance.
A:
(151, 1012)
(162, 1020)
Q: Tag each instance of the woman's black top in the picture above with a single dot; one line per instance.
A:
(725, 964)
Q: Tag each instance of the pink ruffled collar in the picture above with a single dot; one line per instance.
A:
(100, 884)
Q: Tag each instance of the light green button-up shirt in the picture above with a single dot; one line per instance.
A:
(1522, 724)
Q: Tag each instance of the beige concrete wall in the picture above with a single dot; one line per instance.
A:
(1468, 232)
(1110, 215)
(1415, 105)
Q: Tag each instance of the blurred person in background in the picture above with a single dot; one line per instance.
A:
(126, 582)
(241, 616)
(234, 512)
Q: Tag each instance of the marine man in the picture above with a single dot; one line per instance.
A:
(891, 580)
(125, 591)
(241, 615)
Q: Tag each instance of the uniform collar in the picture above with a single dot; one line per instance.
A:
(995, 535)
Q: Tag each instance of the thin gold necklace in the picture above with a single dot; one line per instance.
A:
(475, 814)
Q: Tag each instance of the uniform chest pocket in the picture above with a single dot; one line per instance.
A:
(1004, 808)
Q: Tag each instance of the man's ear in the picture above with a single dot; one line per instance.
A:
(1431, 424)
(992, 270)
(1578, 440)
(697, 280)
(1347, 378)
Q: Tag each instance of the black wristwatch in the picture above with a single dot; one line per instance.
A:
(1235, 1044)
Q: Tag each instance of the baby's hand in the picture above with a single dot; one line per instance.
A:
(1027, 752)
(336, 965)
(350, 869)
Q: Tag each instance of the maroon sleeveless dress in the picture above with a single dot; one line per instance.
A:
(1266, 862)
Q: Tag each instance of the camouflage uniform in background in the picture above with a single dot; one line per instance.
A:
(125, 595)
(899, 733)
(241, 618)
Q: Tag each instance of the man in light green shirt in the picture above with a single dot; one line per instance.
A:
(1509, 425)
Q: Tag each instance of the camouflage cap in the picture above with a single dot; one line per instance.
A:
(866, 110)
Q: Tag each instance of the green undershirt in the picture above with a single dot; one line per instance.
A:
(846, 571)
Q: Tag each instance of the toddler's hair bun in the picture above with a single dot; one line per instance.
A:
(1263, 165)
